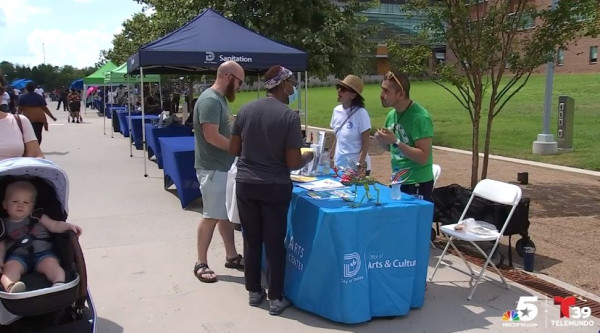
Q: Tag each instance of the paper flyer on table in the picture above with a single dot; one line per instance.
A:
(323, 184)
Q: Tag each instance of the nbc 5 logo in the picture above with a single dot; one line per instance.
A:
(351, 264)
(210, 56)
(526, 307)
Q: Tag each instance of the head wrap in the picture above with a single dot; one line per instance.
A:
(283, 75)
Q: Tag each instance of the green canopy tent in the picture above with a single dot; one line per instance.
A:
(96, 79)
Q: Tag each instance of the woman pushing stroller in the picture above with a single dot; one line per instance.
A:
(26, 243)
(74, 106)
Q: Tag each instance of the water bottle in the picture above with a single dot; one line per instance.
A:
(395, 192)
(324, 163)
(528, 258)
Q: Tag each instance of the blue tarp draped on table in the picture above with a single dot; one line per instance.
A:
(20, 83)
(208, 40)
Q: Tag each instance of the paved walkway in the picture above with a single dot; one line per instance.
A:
(139, 247)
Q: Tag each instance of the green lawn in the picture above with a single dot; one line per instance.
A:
(515, 128)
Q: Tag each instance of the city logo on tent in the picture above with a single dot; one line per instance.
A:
(210, 58)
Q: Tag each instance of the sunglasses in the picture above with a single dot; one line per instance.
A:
(390, 75)
(237, 78)
(343, 89)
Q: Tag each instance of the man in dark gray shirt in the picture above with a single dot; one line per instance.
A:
(267, 137)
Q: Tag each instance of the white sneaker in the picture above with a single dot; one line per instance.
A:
(17, 287)
(277, 306)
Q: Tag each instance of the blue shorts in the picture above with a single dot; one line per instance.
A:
(37, 258)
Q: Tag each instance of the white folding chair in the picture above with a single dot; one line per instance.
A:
(494, 191)
(437, 171)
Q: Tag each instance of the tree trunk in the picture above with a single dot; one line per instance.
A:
(488, 139)
(475, 153)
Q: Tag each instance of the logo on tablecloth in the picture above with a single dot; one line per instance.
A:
(351, 264)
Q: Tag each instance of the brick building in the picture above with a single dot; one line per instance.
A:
(579, 57)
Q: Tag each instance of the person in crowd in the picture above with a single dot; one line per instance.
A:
(120, 95)
(175, 101)
(38, 90)
(151, 106)
(64, 93)
(408, 133)
(74, 106)
(351, 127)
(34, 107)
(17, 137)
(4, 99)
(19, 201)
(212, 121)
(267, 136)
(110, 96)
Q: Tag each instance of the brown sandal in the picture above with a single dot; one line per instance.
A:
(203, 269)
(235, 262)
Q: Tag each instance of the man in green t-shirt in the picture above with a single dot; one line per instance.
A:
(408, 133)
(212, 129)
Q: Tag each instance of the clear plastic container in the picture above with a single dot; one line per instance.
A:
(395, 192)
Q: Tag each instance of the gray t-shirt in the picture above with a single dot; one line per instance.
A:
(268, 128)
(18, 230)
(211, 107)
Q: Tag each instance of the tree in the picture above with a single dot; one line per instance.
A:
(140, 29)
(328, 31)
(492, 40)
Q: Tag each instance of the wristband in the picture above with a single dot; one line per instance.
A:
(396, 143)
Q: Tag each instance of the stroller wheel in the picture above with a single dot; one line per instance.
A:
(497, 257)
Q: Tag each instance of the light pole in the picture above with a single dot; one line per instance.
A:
(44, 52)
(545, 143)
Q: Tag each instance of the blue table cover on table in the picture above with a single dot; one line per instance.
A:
(178, 167)
(112, 107)
(124, 122)
(136, 127)
(351, 264)
(154, 132)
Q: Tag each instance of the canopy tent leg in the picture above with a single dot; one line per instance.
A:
(257, 86)
(305, 101)
(160, 94)
(143, 121)
(85, 99)
(112, 127)
(129, 110)
(104, 112)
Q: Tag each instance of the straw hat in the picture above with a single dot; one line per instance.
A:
(353, 82)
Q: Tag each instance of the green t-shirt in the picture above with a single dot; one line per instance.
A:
(211, 107)
(410, 126)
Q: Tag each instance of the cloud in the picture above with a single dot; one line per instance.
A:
(79, 49)
(19, 12)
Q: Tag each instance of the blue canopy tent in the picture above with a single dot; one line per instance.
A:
(205, 42)
(76, 84)
(208, 40)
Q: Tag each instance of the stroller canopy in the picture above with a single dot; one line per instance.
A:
(45, 169)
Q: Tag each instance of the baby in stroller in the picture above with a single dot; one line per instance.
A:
(26, 242)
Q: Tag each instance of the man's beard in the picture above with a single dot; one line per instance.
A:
(230, 91)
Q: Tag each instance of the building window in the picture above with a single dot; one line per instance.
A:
(560, 57)
(593, 54)
(523, 20)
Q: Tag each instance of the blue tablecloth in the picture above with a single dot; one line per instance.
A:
(124, 122)
(136, 127)
(178, 167)
(113, 107)
(351, 264)
(154, 132)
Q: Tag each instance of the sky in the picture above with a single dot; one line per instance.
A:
(67, 32)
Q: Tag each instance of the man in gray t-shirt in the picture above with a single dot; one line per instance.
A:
(212, 121)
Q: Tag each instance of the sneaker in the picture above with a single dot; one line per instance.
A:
(276, 306)
(256, 297)
(17, 287)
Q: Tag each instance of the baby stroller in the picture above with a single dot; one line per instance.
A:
(42, 307)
